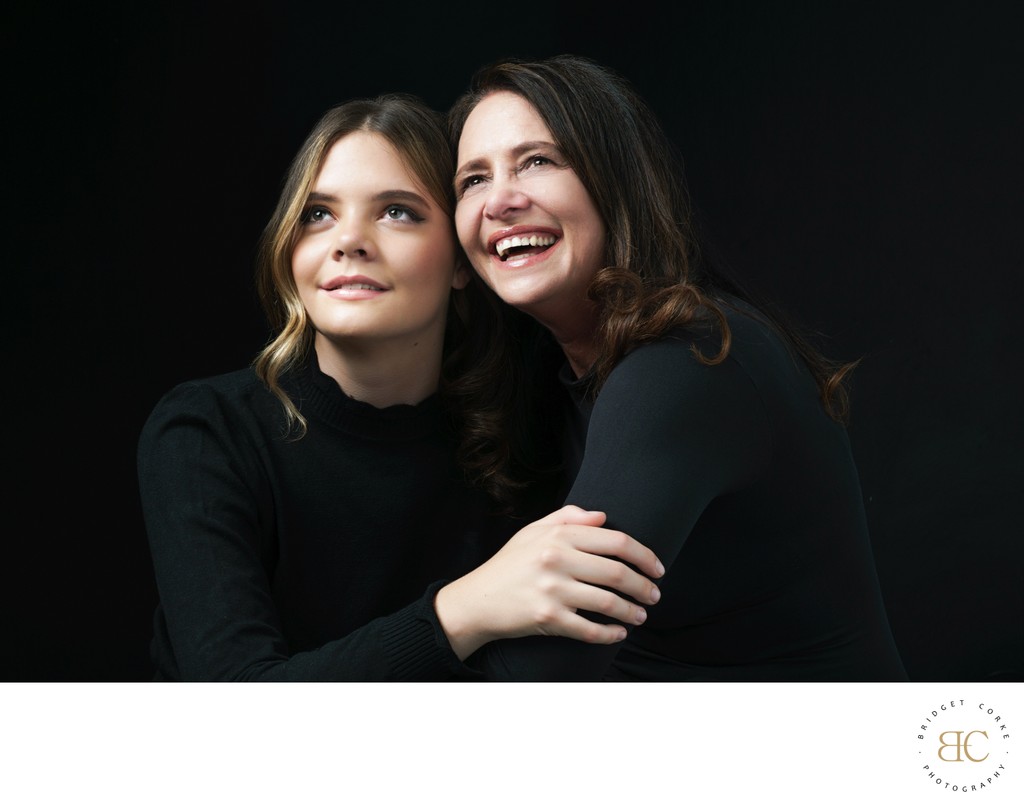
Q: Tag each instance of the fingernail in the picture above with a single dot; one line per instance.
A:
(660, 568)
(655, 593)
(641, 615)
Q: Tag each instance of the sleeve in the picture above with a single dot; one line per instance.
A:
(668, 434)
(206, 502)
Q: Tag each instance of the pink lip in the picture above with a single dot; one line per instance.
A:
(341, 287)
(353, 279)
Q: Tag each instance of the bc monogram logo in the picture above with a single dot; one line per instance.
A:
(964, 745)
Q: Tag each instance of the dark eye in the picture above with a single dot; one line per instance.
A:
(315, 215)
(536, 161)
(396, 212)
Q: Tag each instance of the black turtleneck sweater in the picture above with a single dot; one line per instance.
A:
(735, 476)
(304, 559)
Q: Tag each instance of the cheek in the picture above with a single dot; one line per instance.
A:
(464, 227)
(593, 235)
(304, 260)
(431, 266)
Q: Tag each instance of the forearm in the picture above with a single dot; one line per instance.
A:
(405, 646)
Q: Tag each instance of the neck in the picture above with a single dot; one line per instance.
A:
(575, 331)
(580, 355)
(382, 373)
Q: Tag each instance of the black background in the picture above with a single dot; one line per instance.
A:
(858, 163)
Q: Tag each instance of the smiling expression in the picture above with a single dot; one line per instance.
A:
(524, 218)
(374, 259)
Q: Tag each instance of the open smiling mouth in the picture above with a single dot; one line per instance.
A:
(525, 245)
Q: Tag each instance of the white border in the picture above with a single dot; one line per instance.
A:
(488, 744)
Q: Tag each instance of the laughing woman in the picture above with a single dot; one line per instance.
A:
(304, 513)
(702, 426)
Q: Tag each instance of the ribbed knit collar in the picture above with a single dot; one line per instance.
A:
(318, 395)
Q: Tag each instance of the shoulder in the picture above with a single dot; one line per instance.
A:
(219, 402)
(759, 359)
(681, 371)
(669, 393)
(230, 389)
(756, 342)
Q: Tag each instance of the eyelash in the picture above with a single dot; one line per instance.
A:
(307, 216)
(467, 182)
(470, 181)
(413, 216)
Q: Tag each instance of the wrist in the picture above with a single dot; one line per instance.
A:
(458, 620)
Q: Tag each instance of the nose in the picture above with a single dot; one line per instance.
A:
(504, 200)
(352, 241)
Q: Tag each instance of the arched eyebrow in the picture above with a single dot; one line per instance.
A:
(384, 195)
(470, 167)
(401, 196)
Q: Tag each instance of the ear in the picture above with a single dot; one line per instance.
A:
(460, 279)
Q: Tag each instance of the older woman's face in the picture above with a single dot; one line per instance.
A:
(524, 218)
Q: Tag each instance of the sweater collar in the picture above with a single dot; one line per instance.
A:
(320, 397)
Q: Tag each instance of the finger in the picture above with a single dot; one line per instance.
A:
(572, 514)
(612, 543)
(575, 626)
(584, 597)
(595, 570)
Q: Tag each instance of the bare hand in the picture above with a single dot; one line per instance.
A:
(546, 572)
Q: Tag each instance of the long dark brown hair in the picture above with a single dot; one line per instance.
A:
(656, 278)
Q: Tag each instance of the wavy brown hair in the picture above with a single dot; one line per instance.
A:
(656, 276)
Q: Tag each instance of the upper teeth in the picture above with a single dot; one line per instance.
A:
(529, 240)
(359, 286)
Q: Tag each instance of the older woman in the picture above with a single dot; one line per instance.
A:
(700, 424)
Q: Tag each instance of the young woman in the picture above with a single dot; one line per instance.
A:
(303, 513)
(701, 425)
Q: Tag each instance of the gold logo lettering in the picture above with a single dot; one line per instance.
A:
(961, 745)
(967, 743)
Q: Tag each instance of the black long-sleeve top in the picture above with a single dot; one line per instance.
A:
(304, 559)
(736, 477)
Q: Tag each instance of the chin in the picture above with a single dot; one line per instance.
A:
(521, 293)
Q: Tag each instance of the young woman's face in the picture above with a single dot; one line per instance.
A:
(375, 258)
(524, 218)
